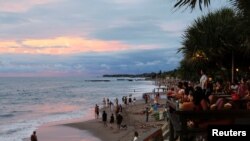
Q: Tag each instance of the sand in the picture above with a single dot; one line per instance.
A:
(94, 130)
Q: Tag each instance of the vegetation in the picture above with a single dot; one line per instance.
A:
(192, 3)
(218, 41)
(152, 75)
(147, 75)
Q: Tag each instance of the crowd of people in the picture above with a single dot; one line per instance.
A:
(115, 111)
(205, 95)
(191, 96)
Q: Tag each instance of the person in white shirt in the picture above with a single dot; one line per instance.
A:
(203, 80)
(135, 136)
(234, 86)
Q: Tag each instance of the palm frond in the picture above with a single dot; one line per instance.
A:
(192, 3)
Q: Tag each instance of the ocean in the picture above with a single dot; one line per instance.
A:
(27, 103)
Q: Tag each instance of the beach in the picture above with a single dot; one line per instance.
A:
(96, 131)
(29, 103)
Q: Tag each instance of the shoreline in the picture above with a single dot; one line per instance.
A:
(94, 130)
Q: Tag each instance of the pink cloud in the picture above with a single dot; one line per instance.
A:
(46, 73)
(61, 45)
(21, 5)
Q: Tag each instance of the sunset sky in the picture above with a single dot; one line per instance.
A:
(91, 37)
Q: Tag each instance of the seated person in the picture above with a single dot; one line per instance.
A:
(180, 92)
(171, 92)
(196, 101)
(243, 88)
(219, 86)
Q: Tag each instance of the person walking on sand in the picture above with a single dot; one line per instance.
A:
(111, 107)
(96, 111)
(112, 120)
(120, 108)
(33, 137)
(104, 118)
(119, 119)
(147, 114)
(135, 136)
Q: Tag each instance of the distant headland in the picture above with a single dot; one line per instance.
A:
(147, 75)
(151, 75)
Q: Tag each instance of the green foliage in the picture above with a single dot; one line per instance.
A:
(192, 3)
(211, 42)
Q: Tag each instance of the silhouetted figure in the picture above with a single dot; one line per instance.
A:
(96, 111)
(112, 120)
(120, 108)
(119, 119)
(104, 118)
(147, 114)
(33, 136)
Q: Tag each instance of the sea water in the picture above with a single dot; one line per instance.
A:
(26, 103)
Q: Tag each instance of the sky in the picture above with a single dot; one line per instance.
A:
(92, 37)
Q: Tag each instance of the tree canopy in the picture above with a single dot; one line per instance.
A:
(211, 42)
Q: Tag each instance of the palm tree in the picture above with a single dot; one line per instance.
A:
(211, 40)
(243, 12)
(241, 5)
(192, 3)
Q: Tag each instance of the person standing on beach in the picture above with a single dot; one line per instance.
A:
(125, 100)
(130, 100)
(135, 136)
(120, 108)
(112, 120)
(134, 100)
(96, 111)
(111, 107)
(146, 99)
(116, 110)
(107, 102)
(116, 102)
(104, 118)
(119, 119)
(147, 114)
(104, 102)
(33, 137)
